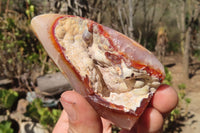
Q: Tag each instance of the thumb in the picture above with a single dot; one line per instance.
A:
(81, 116)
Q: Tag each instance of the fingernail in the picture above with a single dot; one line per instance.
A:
(69, 107)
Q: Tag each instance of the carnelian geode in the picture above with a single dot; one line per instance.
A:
(114, 73)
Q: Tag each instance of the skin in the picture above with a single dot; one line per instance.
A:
(78, 116)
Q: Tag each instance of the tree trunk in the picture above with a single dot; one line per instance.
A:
(0, 6)
(182, 26)
(186, 53)
(130, 28)
(145, 23)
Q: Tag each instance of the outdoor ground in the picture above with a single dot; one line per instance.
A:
(191, 123)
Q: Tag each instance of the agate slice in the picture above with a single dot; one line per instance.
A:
(115, 74)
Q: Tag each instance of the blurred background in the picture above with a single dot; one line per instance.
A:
(168, 28)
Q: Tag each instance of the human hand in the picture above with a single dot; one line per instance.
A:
(78, 115)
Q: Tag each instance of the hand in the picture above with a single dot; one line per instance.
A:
(78, 116)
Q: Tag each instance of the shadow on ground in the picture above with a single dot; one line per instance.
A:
(177, 126)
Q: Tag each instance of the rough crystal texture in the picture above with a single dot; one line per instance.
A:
(93, 56)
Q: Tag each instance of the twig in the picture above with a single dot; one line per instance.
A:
(7, 6)
(130, 28)
(121, 21)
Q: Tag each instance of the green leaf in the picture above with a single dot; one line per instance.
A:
(21, 43)
(8, 98)
(168, 77)
(181, 95)
(176, 111)
(182, 86)
(32, 109)
(188, 100)
(10, 24)
(43, 114)
(56, 114)
(46, 118)
(28, 1)
(32, 8)
(33, 57)
(10, 61)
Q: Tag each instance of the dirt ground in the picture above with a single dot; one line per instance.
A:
(191, 123)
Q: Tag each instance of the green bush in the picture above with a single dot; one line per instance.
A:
(5, 127)
(7, 98)
(42, 114)
(182, 86)
(168, 77)
(20, 51)
(181, 93)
